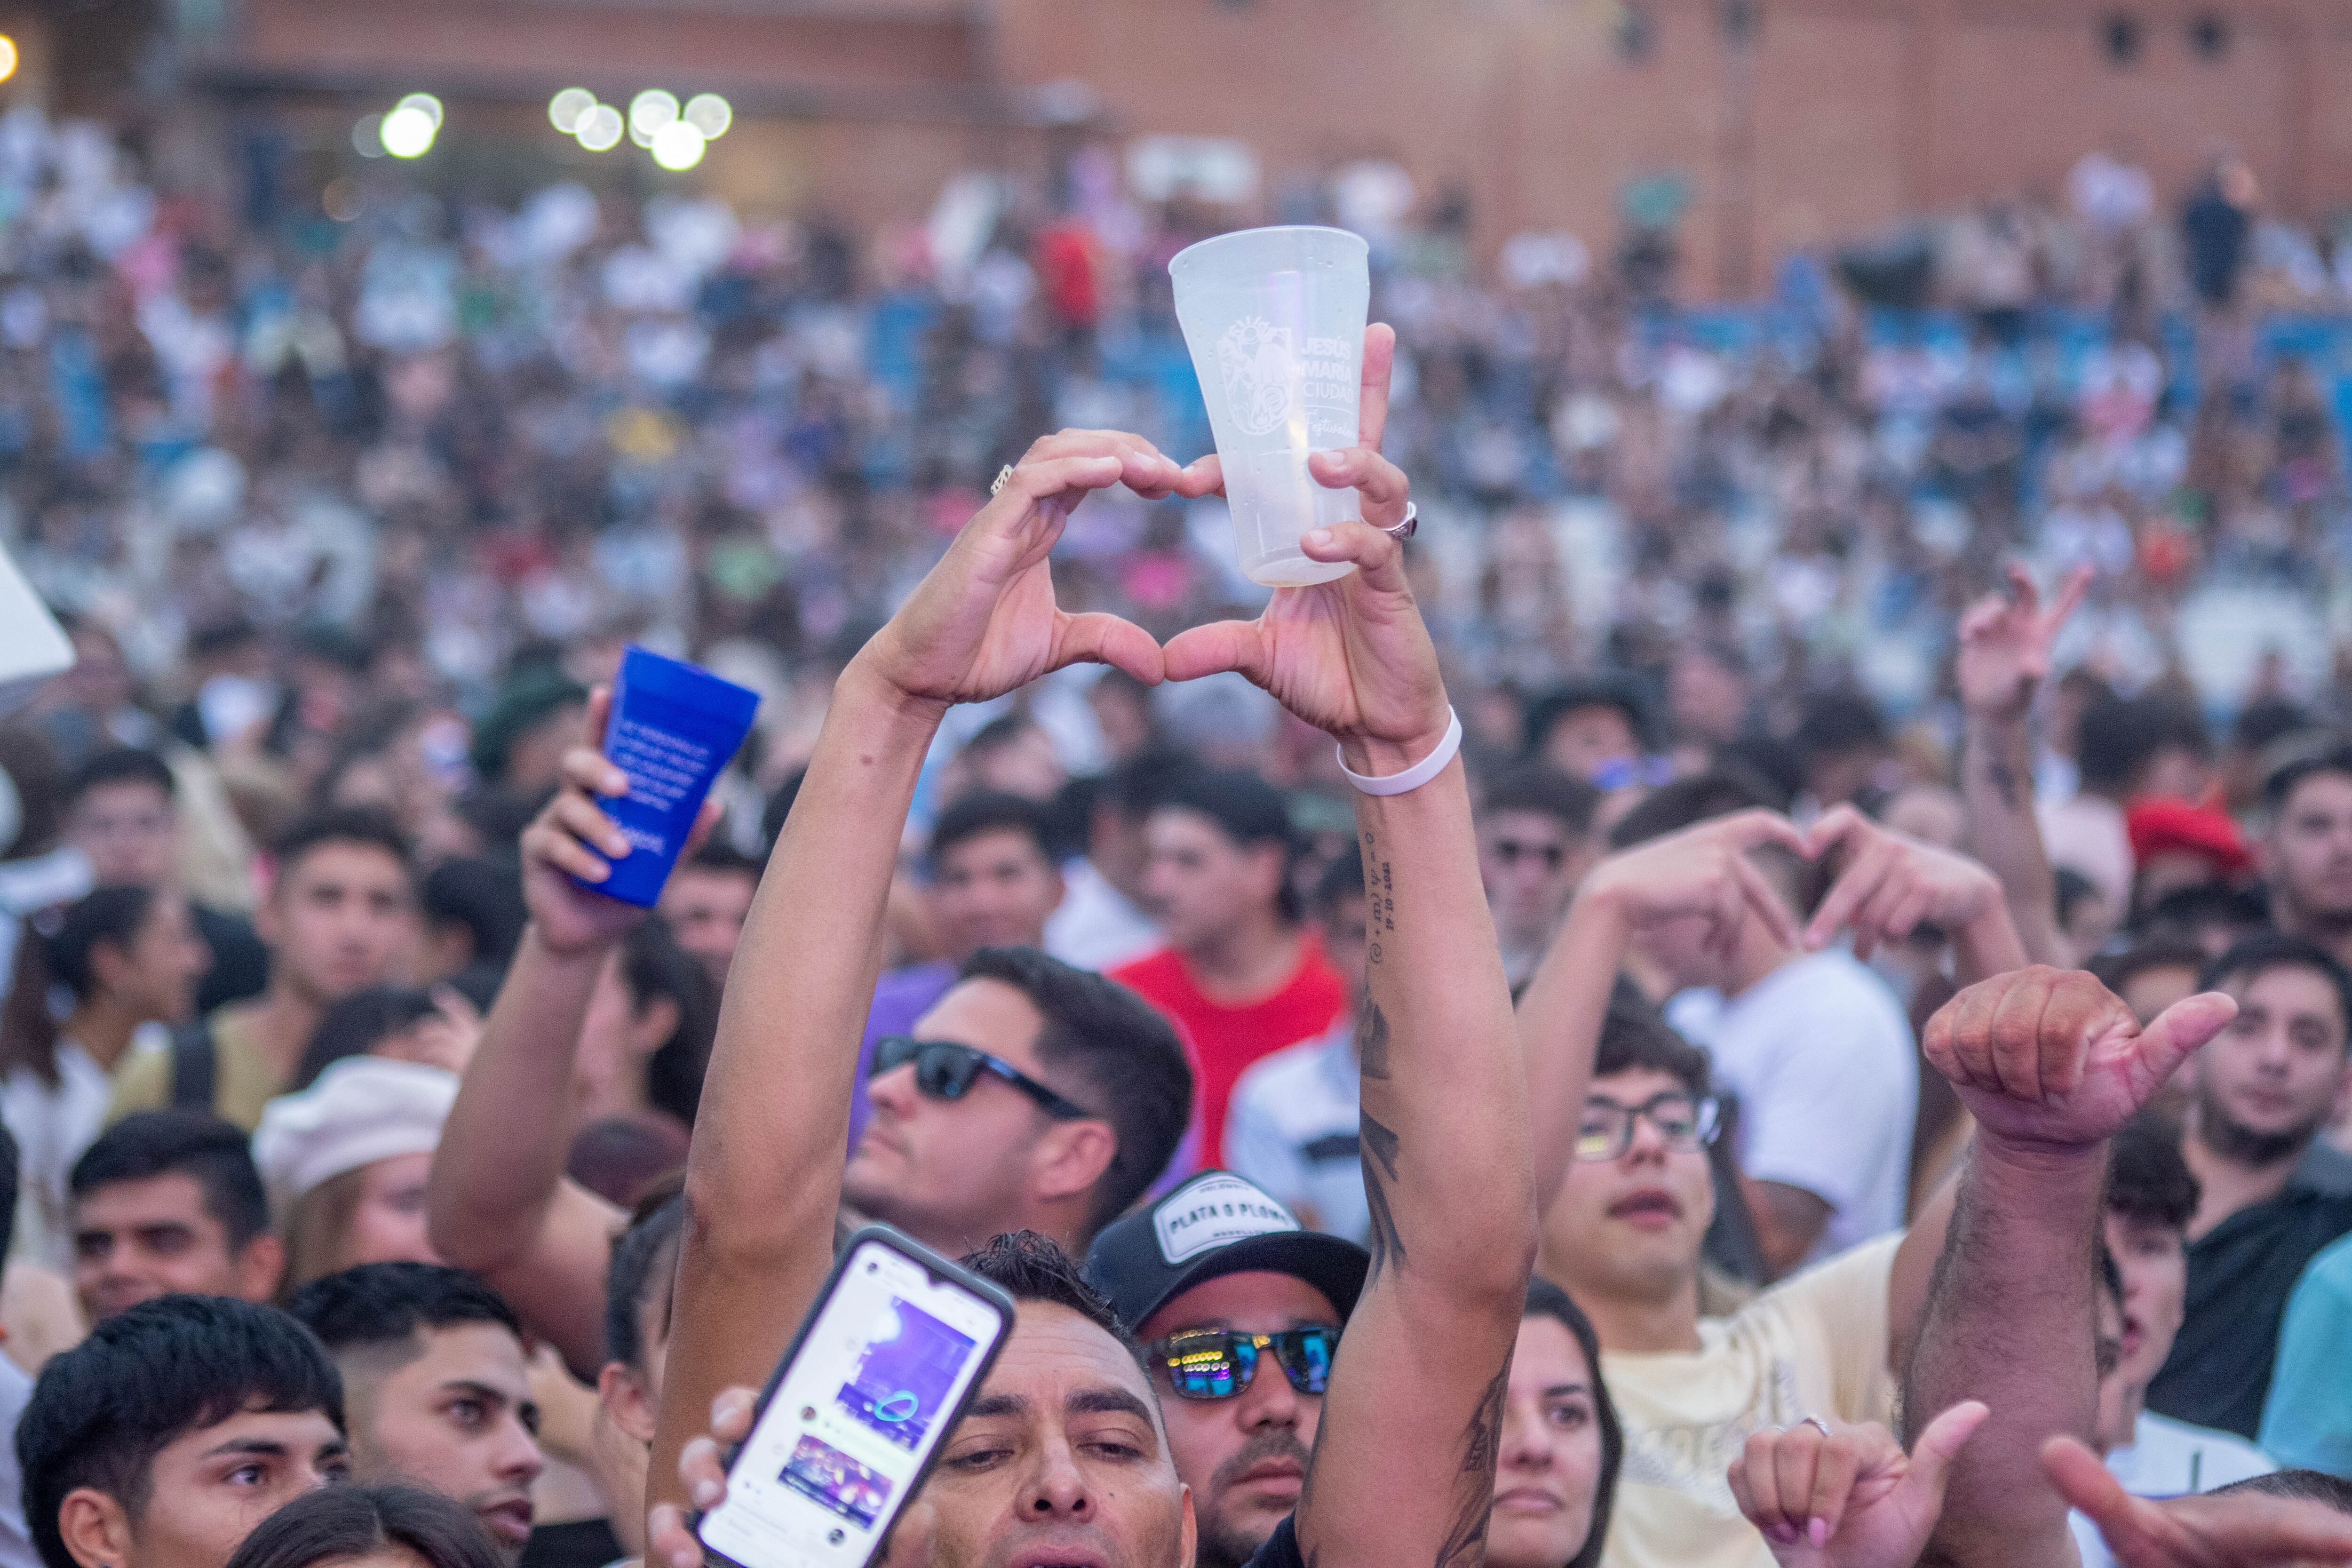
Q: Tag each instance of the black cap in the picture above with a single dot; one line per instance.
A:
(1217, 1224)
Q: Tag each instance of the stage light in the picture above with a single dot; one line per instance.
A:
(708, 114)
(565, 109)
(599, 130)
(408, 132)
(367, 136)
(651, 110)
(8, 56)
(677, 146)
(424, 103)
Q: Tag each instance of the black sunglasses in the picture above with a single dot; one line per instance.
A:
(1213, 1363)
(946, 1070)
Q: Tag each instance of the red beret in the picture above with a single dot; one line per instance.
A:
(2169, 827)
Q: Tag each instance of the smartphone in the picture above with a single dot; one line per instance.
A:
(884, 1367)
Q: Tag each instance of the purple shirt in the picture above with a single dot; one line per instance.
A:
(900, 997)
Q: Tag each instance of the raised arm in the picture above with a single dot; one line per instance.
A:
(2049, 1064)
(499, 1202)
(1404, 1469)
(2004, 655)
(763, 1179)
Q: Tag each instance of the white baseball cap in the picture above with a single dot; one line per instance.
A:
(361, 1109)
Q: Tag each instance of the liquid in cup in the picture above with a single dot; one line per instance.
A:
(1274, 319)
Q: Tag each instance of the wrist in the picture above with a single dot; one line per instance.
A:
(2040, 1160)
(864, 684)
(1377, 758)
(587, 950)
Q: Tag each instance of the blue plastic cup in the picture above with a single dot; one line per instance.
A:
(673, 727)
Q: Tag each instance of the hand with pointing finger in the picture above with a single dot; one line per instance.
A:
(1702, 872)
(1849, 1497)
(2239, 1530)
(1888, 884)
(2004, 653)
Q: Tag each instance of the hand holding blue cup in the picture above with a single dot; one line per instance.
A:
(674, 727)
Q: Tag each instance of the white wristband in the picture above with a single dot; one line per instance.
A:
(1420, 774)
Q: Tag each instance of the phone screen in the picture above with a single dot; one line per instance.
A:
(871, 1392)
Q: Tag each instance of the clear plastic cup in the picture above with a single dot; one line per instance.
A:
(1275, 318)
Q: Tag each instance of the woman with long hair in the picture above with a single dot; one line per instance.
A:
(109, 973)
(1556, 1474)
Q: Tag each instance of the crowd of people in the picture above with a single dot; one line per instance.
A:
(1841, 1056)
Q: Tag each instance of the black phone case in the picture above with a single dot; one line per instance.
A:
(938, 1267)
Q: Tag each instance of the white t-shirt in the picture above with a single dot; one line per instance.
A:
(1096, 926)
(1828, 1079)
(2170, 1458)
(1293, 1125)
(1815, 1344)
(53, 1125)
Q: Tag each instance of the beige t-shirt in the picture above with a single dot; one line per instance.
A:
(1814, 1345)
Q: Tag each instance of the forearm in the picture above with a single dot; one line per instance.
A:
(1559, 1018)
(2009, 1322)
(503, 1148)
(1989, 944)
(1997, 786)
(1446, 1164)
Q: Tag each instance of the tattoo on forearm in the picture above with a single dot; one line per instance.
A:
(1482, 1442)
(1379, 894)
(1380, 1157)
(1372, 1043)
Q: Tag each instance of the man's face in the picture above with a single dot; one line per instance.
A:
(995, 890)
(705, 907)
(134, 1241)
(207, 1488)
(1529, 862)
(451, 1410)
(339, 920)
(2308, 852)
(955, 1173)
(1631, 1226)
(1062, 1459)
(2153, 1258)
(1581, 739)
(129, 832)
(1245, 1458)
(2272, 1077)
(1199, 883)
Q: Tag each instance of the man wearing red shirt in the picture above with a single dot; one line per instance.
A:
(1242, 975)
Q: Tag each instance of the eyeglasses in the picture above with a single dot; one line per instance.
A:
(1684, 1122)
(1213, 1363)
(1510, 852)
(946, 1070)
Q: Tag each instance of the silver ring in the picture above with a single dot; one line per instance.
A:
(1003, 473)
(1819, 1425)
(1404, 530)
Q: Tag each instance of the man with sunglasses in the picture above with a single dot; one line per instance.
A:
(1535, 843)
(1239, 1310)
(1065, 1457)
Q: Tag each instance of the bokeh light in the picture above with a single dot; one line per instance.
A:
(340, 199)
(599, 130)
(708, 114)
(677, 145)
(424, 103)
(367, 136)
(8, 56)
(566, 108)
(408, 131)
(651, 110)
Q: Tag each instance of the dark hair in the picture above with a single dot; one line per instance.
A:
(1000, 733)
(122, 764)
(1610, 689)
(989, 811)
(144, 1378)
(2257, 955)
(356, 1026)
(654, 966)
(1635, 1034)
(1342, 879)
(2294, 1486)
(192, 1144)
(2111, 1278)
(2284, 780)
(1247, 809)
(2260, 723)
(1126, 1054)
(1545, 791)
(1139, 784)
(343, 1524)
(387, 1304)
(1834, 722)
(2073, 888)
(2202, 904)
(1032, 1267)
(2116, 970)
(779, 808)
(28, 1027)
(715, 856)
(644, 1260)
(483, 895)
(2118, 736)
(619, 1157)
(339, 825)
(1546, 1299)
(1687, 802)
(2147, 1177)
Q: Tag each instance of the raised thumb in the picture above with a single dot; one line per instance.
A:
(2176, 1032)
(1939, 1444)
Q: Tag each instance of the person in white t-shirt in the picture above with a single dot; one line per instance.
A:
(1814, 1045)
(1295, 1122)
(1624, 1180)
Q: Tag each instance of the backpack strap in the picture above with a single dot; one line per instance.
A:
(196, 1065)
